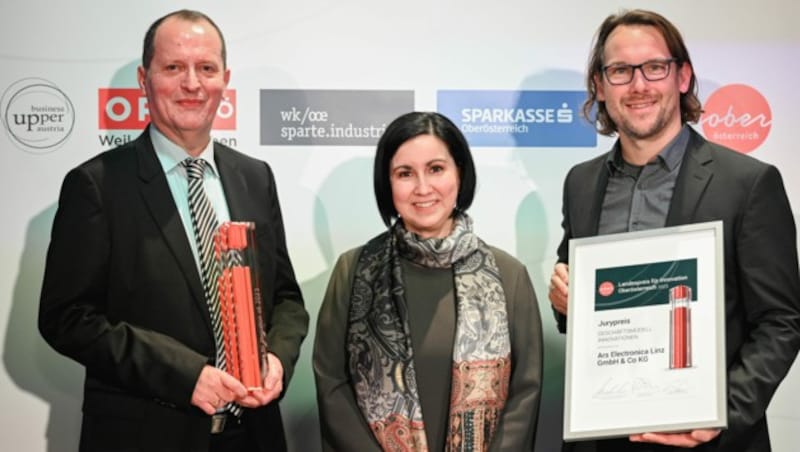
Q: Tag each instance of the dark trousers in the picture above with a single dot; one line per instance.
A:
(235, 438)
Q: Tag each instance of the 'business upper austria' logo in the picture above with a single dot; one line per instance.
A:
(37, 115)
(737, 116)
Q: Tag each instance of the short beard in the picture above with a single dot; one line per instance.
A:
(653, 130)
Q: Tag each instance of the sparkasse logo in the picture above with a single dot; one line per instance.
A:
(126, 109)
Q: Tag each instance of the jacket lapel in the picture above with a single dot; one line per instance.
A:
(233, 183)
(590, 200)
(598, 194)
(158, 199)
(695, 174)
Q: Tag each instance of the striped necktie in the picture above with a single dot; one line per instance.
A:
(204, 222)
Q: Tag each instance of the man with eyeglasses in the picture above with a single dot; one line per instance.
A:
(662, 173)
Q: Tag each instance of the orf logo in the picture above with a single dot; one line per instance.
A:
(126, 109)
(606, 288)
(737, 116)
(37, 115)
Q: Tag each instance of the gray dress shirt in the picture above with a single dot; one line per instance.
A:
(638, 197)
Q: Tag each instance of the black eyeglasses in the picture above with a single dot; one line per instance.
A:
(653, 70)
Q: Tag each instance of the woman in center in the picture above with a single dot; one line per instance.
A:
(428, 339)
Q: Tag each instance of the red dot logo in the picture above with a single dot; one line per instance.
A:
(737, 116)
(606, 288)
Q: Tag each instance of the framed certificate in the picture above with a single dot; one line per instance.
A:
(646, 333)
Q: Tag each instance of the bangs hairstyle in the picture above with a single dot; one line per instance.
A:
(149, 49)
(690, 105)
(411, 125)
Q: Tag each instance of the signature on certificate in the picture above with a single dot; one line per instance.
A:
(617, 388)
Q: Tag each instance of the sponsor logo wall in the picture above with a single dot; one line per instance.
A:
(311, 91)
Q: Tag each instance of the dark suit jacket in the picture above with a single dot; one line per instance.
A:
(122, 296)
(762, 287)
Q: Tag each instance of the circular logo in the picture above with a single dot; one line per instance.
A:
(37, 115)
(737, 116)
(606, 288)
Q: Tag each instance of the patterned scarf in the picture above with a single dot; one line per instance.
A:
(379, 351)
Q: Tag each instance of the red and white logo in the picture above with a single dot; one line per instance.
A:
(126, 109)
(737, 116)
(606, 288)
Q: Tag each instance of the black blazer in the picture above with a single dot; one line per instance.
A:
(762, 287)
(122, 296)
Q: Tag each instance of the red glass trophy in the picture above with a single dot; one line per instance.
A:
(680, 327)
(241, 307)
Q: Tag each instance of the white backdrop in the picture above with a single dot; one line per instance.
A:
(81, 47)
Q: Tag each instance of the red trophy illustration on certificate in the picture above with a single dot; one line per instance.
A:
(241, 307)
(680, 327)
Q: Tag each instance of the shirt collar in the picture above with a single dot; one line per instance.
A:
(669, 157)
(170, 155)
(676, 149)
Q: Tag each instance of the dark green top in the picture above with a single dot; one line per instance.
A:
(430, 296)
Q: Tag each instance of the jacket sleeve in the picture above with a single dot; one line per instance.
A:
(343, 426)
(769, 290)
(517, 427)
(74, 312)
(563, 247)
(289, 320)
